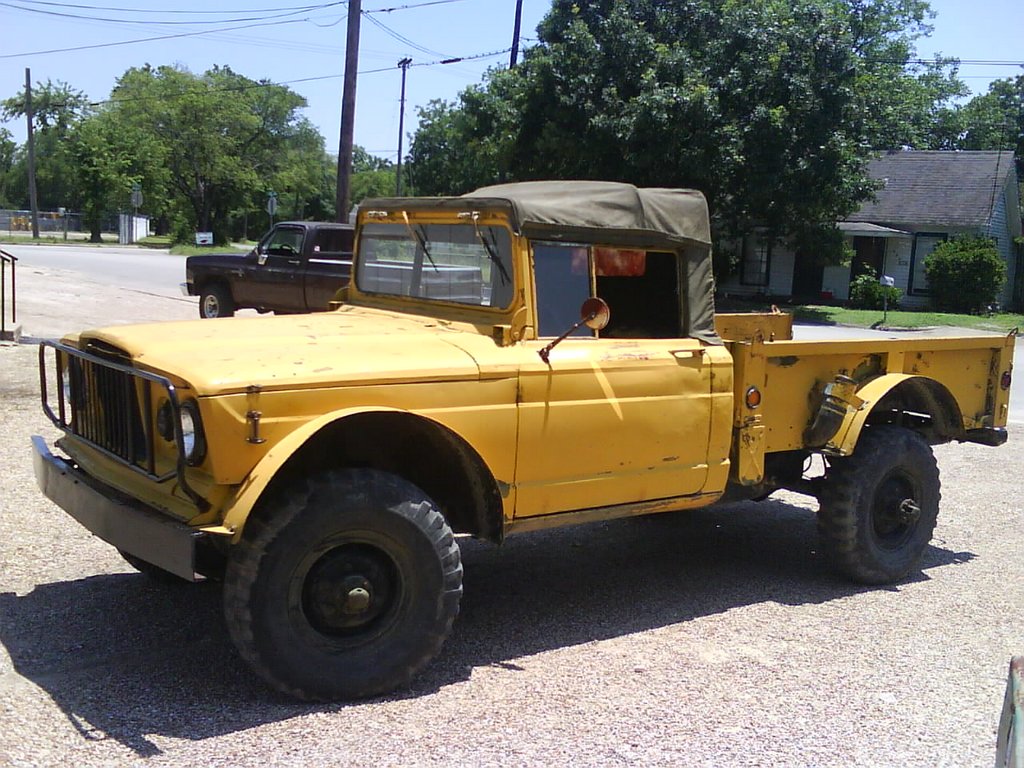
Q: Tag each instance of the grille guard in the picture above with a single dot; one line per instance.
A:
(138, 417)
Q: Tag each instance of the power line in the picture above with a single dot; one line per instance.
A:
(166, 10)
(402, 38)
(150, 39)
(166, 23)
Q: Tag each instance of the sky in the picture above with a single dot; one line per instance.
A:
(301, 43)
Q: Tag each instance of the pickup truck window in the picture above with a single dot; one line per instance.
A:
(460, 263)
(283, 241)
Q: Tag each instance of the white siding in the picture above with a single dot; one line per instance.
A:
(836, 279)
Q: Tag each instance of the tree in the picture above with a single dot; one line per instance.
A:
(7, 150)
(221, 139)
(57, 109)
(771, 107)
(995, 120)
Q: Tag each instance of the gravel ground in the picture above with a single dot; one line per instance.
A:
(712, 638)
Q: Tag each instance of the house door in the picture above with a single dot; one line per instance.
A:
(868, 256)
(808, 272)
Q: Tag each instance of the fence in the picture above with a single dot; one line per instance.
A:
(50, 222)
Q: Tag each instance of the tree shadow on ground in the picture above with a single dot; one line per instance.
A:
(123, 657)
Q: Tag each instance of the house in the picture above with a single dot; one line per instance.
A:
(926, 197)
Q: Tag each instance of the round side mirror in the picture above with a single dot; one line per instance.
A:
(595, 313)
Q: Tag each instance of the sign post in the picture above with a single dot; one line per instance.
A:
(271, 205)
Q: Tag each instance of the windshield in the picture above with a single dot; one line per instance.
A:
(461, 263)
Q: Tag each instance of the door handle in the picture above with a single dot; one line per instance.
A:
(687, 354)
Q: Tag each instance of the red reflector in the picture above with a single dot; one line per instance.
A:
(753, 398)
(1004, 382)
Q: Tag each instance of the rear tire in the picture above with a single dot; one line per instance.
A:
(215, 301)
(880, 505)
(345, 585)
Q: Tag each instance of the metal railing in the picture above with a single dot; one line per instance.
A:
(5, 259)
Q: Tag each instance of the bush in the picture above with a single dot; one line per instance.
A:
(965, 275)
(867, 293)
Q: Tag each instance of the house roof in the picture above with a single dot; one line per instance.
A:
(949, 189)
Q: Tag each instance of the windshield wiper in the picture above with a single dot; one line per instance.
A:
(506, 278)
(421, 239)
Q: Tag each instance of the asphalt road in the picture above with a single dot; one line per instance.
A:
(150, 270)
(718, 637)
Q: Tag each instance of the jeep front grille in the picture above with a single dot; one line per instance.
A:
(109, 405)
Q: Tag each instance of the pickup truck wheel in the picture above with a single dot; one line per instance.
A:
(343, 586)
(153, 572)
(215, 301)
(879, 506)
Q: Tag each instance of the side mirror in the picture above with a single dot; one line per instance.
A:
(594, 314)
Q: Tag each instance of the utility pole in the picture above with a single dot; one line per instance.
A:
(515, 35)
(33, 197)
(404, 64)
(348, 111)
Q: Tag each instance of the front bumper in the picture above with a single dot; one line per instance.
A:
(119, 520)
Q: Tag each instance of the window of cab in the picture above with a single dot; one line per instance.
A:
(640, 287)
(465, 263)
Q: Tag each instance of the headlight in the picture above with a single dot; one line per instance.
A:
(192, 441)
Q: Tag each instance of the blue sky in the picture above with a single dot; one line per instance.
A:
(299, 46)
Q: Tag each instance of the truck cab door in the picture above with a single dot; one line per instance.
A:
(276, 280)
(328, 267)
(616, 417)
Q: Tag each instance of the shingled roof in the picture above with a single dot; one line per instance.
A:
(950, 189)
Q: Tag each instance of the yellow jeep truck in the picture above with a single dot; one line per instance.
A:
(523, 357)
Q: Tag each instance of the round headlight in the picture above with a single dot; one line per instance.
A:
(191, 434)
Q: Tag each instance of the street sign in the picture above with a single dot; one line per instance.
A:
(271, 202)
(136, 196)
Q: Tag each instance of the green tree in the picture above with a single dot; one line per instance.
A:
(57, 109)
(221, 139)
(771, 107)
(7, 151)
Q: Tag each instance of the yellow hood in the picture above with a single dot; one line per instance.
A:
(351, 346)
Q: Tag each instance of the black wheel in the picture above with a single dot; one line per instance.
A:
(153, 572)
(215, 301)
(879, 506)
(343, 586)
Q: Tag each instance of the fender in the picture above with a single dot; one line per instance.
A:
(238, 507)
(933, 398)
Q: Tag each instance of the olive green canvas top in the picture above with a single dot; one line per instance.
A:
(605, 213)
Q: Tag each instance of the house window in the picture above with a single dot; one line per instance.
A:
(756, 264)
(924, 244)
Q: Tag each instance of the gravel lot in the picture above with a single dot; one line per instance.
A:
(712, 638)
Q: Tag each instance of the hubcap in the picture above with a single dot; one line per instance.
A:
(895, 510)
(349, 589)
(210, 306)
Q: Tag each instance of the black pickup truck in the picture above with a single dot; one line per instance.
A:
(296, 267)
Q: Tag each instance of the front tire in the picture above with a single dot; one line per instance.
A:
(215, 301)
(880, 505)
(344, 586)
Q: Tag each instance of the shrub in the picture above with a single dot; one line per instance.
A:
(965, 275)
(867, 293)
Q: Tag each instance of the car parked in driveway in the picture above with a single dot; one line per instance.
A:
(296, 267)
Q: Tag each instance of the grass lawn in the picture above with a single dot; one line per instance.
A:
(871, 318)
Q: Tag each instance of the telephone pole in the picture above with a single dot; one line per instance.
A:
(404, 64)
(348, 112)
(515, 35)
(33, 198)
